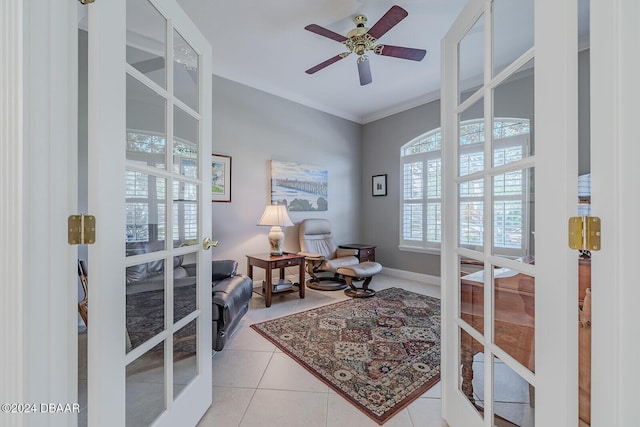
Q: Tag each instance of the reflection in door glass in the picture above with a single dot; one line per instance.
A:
(471, 215)
(185, 71)
(146, 131)
(471, 139)
(185, 362)
(471, 381)
(514, 315)
(512, 31)
(184, 286)
(145, 210)
(185, 144)
(472, 293)
(145, 388)
(185, 213)
(513, 214)
(513, 399)
(471, 60)
(145, 302)
(513, 117)
(147, 40)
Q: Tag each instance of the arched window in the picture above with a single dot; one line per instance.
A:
(421, 178)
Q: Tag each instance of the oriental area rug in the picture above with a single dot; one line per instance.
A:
(379, 353)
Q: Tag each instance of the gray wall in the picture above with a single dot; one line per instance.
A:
(382, 140)
(254, 127)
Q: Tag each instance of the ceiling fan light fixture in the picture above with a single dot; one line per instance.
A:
(360, 20)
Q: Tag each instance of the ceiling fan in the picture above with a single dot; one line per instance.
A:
(362, 39)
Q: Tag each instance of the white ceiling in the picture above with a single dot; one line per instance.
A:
(263, 44)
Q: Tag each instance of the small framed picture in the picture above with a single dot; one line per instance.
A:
(220, 178)
(379, 185)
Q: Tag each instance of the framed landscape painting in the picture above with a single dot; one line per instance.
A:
(299, 187)
(220, 178)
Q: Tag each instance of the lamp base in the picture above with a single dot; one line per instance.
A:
(276, 240)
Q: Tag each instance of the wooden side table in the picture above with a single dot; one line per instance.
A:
(365, 252)
(268, 263)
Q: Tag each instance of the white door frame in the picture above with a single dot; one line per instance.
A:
(615, 150)
(556, 113)
(38, 91)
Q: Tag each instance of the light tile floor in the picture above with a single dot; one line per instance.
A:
(255, 384)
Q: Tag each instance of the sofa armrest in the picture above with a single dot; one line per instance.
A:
(190, 268)
(221, 269)
(230, 294)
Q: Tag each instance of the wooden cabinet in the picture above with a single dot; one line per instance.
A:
(365, 252)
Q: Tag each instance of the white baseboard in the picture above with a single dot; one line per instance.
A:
(410, 275)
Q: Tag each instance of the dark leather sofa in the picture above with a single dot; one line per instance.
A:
(231, 293)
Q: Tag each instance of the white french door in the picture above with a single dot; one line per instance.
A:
(149, 339)
(509, 324)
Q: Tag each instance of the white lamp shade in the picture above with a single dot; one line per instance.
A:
(275, 215)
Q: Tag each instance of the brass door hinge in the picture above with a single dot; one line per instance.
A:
(584, 233)
(81, 229)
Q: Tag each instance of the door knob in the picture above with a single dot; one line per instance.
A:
(208, 243)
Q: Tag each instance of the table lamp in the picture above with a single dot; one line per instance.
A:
(276, 216)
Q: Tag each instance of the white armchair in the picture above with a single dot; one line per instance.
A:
(322, 256)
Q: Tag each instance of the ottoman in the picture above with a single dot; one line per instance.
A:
(364, 270)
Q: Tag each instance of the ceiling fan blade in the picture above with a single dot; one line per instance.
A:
(388, 21)
(326, 63)
(326, 33)
(400, 52)
(364, 71)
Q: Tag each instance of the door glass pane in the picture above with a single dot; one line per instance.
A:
(513, 214)
(471, 137)
(471, 382)
(145, 302)
(471, 60)
(472, 293)
(185, 144)
(185, 361)
(146, 134)
(512, 31)
(145, 207)
(471, 215)
(513, 107)
(185, 71)
(185, 213)
(514, 315)
(184, 286)
(145, 388)
(513, 398)
(147, 40)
